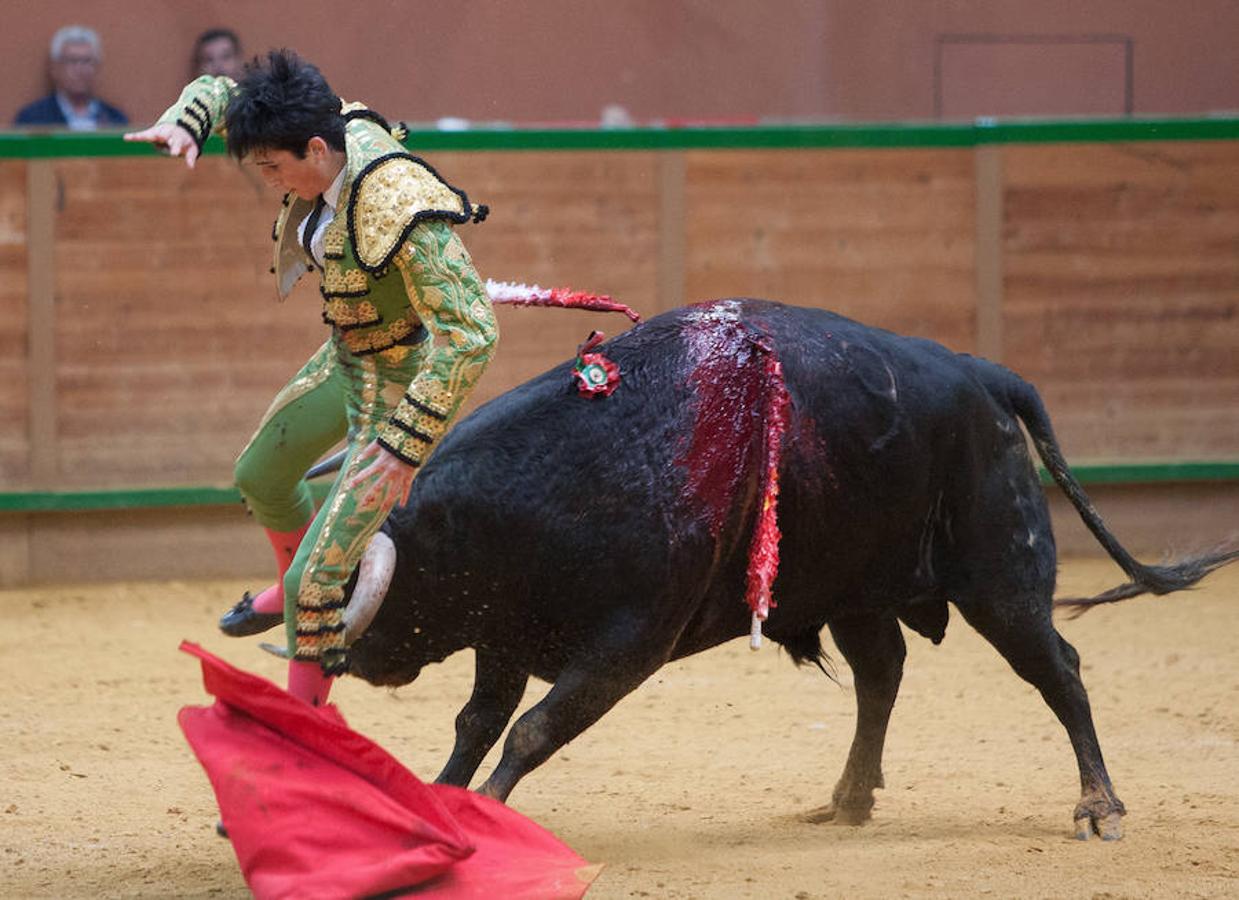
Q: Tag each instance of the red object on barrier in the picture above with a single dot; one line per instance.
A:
(316, 810)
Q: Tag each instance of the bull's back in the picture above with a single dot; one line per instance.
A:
(596, 495)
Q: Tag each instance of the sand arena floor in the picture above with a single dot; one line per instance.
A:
(690, 787)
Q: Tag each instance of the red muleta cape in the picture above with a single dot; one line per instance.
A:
(316, 810)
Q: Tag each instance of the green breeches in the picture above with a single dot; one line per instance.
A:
(335, 395)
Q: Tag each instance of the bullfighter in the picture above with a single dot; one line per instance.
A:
(412, 330)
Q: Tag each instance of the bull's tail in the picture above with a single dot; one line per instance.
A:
(1145, 579)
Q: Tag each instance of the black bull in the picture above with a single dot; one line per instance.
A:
(587, 541)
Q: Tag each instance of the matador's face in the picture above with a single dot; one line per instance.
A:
(306, 176)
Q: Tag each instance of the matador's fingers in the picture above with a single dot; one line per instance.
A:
(361, 477)
(156, 134)
(171, 137)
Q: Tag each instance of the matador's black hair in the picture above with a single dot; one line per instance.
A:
(280, 103)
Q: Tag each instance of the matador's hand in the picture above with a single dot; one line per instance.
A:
(170, 137)
(390, 477)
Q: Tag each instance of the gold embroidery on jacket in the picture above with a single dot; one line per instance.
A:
(438, 401)
(352, 315)
(408, 447)
(394, 356)
(380, 338)
(333, 241)
(416, 420)
(338, 280)
(387, 201)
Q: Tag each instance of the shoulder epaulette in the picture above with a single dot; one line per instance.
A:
(390, 196)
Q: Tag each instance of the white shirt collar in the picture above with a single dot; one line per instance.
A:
(331, 196)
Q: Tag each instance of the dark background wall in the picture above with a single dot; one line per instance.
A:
(555, 60)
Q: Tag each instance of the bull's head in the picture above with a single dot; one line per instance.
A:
(387, 619)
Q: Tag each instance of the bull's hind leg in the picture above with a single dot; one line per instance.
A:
(497, 689)
(1021, 628)
(874, 649)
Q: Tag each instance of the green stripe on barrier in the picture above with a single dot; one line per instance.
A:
(1167, 472)
(126, 499)
(1119, 473)
(52, 145)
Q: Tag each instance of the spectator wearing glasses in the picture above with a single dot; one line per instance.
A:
(76, 55)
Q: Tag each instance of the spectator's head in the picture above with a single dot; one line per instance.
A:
(218, 52)
(75, 58)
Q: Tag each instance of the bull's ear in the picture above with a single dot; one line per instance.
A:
(374, 575)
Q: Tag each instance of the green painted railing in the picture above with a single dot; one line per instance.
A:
(1126, 473)
(31, 145)
(125, 499)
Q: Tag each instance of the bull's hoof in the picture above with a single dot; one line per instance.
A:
(1108, 827)
(221, 830)
(243, 620)
(839, 815)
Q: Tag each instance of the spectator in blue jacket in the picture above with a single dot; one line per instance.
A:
(76, 55)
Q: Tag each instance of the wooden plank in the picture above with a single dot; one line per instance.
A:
(152, 544)
(671, 244)
(41, 286)
(1122, 294)
(14, 319)
(989, 252)
(589, 220)
(1118, 265)
(14, 550)
(170, 340)
(1150, 520)
(886, 236)
(171, 344)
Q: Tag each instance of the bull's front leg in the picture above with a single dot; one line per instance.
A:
(497, 689)
(579, 697)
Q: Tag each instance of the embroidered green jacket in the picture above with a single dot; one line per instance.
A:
(392, 265)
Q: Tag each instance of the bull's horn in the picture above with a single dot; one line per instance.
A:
(327, 466)
(275, 650)
(373, 579)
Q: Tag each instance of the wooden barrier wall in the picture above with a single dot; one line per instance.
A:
(140, 340)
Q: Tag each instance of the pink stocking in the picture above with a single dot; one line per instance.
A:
(307, 682)
(285, 544)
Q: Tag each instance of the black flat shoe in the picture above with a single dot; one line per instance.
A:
(243, 620)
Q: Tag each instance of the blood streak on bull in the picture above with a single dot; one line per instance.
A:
(739, 422)
(764, 551)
